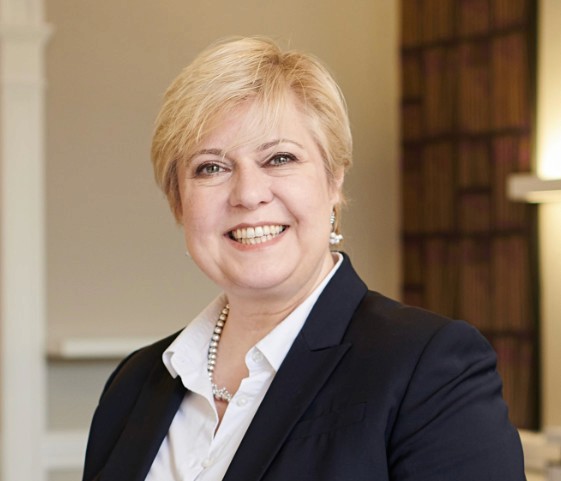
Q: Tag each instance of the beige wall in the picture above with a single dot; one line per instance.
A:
(115, 257)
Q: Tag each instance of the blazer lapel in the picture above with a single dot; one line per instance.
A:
(146, 428)
(312, 358)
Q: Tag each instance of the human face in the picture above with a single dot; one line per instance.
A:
(256, 211)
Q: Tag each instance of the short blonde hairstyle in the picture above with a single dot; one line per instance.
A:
(236, 70)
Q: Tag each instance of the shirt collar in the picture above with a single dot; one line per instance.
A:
(189, 349)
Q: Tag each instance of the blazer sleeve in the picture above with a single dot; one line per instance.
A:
(452, 422)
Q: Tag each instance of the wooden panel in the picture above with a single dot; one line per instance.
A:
(467, 125)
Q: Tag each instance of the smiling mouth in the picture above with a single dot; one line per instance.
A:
(256, 235)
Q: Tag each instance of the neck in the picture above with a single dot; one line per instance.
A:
(258, 313)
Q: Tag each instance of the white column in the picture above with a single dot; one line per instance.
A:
(22, 241)
(549, 166)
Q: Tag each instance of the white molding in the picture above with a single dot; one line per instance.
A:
(82, 348)
(64, 450)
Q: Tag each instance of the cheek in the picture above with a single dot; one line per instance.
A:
(192, 216)
(313, 186)
(203, 217)
(310, 201)
(195, 221)
(312, 206)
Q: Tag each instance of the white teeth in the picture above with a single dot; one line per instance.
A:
(256, 235)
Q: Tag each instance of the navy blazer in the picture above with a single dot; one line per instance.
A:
(370, 390)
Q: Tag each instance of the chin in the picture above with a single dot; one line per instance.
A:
(260, 284)
(262, 279)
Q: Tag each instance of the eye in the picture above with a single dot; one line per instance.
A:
(208, 169)
(281, 158)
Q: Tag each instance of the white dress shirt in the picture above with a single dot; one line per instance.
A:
(193, 448)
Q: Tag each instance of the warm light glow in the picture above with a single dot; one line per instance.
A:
(549, 163)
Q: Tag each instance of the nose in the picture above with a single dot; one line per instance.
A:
(251, 187)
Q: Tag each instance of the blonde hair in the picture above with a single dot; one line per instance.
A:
(231, 72)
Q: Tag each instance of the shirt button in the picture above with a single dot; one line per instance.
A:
(241, 401)
(207, 462)
(257, 356)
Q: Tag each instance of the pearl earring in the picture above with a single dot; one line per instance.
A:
(334, 238)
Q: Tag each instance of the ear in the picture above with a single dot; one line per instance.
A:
(337, 185)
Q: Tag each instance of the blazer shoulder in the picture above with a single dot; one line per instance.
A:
(379, 317)
(134, 369)
(400, 335)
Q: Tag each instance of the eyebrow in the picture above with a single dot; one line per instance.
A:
(207, 152)
(268, 145)
(262, 147)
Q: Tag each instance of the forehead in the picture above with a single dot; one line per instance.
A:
(254, 122)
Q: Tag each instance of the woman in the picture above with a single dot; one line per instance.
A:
(296, 371)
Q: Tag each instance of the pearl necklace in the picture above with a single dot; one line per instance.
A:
(220, 394)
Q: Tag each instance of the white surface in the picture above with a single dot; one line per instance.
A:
(539, 452)
(531, 188)
(553, 434)
(554, 473)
